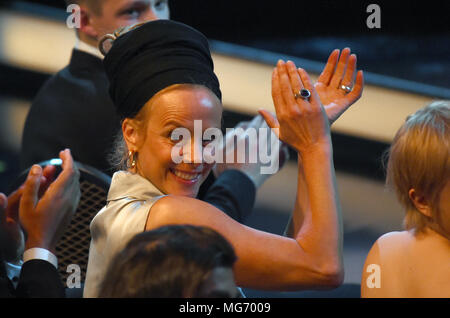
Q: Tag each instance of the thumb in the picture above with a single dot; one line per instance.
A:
(271, 121)
(31, 188)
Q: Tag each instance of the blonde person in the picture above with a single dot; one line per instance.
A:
(162, 83)
(416, 261)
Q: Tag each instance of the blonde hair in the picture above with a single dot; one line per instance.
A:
(419, 159)
(94, 5)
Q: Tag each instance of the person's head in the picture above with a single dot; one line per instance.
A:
(419, 168)
(182, 261)
(100, 17)
(158, 84)
(149, 137)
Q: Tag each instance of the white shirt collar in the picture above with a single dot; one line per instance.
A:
(125, 184)
(87, 48)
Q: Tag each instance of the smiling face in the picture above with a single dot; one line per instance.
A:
(176, 107)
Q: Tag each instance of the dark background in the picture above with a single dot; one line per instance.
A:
(413, 42)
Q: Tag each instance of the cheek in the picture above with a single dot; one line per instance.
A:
(159, 155)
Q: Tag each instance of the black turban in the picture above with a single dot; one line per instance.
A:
(154, 56)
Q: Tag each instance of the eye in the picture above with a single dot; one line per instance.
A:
(160, 5)
(132, 13)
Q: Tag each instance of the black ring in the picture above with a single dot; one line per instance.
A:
(304, 93)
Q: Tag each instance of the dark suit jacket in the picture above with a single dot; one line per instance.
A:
(73, 110)
(38, 279)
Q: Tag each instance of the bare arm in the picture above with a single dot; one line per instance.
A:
(296, 220)
(312, 259)
(339, 70)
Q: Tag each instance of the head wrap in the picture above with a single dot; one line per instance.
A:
(154, 56)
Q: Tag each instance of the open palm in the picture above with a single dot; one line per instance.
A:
(337, 72)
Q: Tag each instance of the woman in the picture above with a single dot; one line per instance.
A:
(162, 78)
(415, 262)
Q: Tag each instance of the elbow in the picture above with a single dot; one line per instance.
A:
(333, 279)
(329, 276)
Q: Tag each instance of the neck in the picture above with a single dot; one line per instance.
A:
(435, 230)
(88, 48)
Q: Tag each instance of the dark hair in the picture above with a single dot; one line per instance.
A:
(171, 261)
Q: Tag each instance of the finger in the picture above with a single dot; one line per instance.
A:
(340, 69)
(296, 83)
(356, 93)
(49, 172)
(69, 173)
(349, 72)
(12, 210)
(286, 88)
(271, 121)
(48, 175)
(327, 73)
(278, 101)
(314, 99)
(31, 188)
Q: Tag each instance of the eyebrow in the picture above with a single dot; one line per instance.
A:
(173, 122)
(133, 5)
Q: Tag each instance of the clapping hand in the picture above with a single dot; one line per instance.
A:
(45, 219)
(334, 81)
(12, 238)
(41, 206)
(300, 122)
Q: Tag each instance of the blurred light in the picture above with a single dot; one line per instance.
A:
(56, 162)
(44, 45)
(33, 43)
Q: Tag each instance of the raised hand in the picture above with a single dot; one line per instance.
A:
(302, 123)
(337, 72)
(45, 219)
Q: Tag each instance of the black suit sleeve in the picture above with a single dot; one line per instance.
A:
(6, 287)
(233, 193)
(39, 279)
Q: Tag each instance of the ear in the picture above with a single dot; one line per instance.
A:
(130, 131)
(420, 202)
(86, 26)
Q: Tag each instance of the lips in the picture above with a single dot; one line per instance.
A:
(187, 176)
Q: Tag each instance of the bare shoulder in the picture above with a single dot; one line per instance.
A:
(383, 260)
(394, 240)
(182, 210)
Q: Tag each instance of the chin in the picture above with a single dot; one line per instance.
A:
(192, 193)
(184, 184)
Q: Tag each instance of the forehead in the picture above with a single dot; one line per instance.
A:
(111, 5)
(184, 104)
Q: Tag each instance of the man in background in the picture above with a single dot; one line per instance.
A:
(73, 108)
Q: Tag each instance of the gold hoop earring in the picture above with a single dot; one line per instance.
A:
(131, 159)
